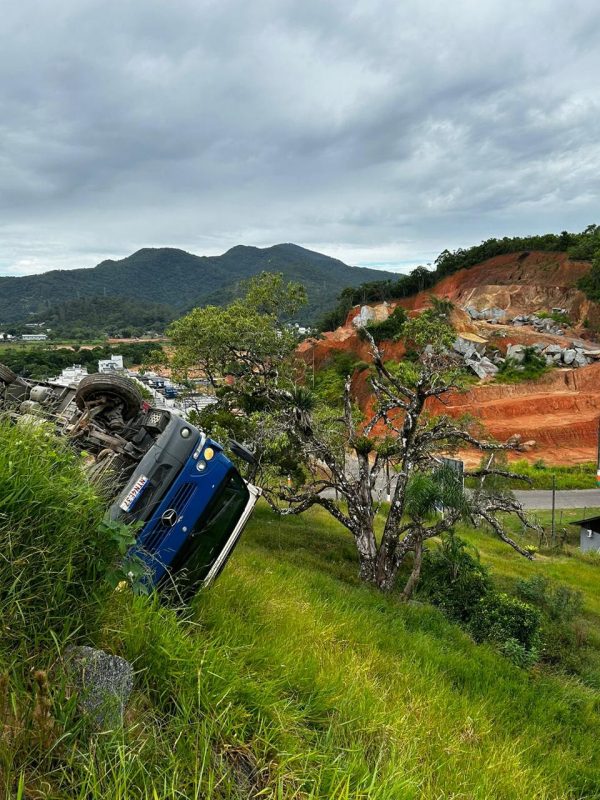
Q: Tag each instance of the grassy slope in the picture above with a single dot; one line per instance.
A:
(291, 679)
(315, 686)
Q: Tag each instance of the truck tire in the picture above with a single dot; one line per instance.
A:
(7, 375)
(116, 386)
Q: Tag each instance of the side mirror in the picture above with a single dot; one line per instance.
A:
(242, 452)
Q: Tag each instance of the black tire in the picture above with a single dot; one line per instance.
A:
(7, 375)
(116, 386)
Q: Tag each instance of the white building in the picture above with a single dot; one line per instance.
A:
(112, 364)
(34, 337)
(70, 375)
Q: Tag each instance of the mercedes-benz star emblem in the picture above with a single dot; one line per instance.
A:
(169, 517)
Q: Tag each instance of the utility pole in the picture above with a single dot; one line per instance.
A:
(598, 458)
(553, 509)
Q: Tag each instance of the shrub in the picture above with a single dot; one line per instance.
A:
(454, 579)
(530, 368)
(513, 625)
(389, 328)
(558, 601)
(54, 557)
(557, 316)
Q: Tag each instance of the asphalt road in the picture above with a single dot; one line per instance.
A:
(566, 498)
(538, 499)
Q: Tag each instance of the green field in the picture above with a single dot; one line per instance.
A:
(289, 679)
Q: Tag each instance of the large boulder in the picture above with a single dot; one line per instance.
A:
(364, 316)
(103, 683)
(516, 352)
(494, 314)
(467, 347)
(483, 368)
(568, 356)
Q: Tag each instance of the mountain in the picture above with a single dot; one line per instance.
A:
(181, 280)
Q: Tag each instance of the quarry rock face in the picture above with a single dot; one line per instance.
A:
(364, 316)
(103, 682)
(558, 413)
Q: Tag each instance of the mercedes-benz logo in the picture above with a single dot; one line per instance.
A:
(170, 517)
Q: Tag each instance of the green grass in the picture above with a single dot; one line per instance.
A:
(288, 679)
(530, 368)
(541, 475)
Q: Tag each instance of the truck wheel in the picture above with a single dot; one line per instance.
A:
(116, 386)
(7, 375)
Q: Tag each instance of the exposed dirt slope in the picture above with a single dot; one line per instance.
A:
(518, 283)
(560, 412)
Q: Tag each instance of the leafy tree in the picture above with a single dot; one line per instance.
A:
(249, 358)
(590, 283)
(389, 328)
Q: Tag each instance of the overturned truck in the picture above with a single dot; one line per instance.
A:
(190, 502)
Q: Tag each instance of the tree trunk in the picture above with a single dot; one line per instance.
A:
(414, 576)
(367, 554)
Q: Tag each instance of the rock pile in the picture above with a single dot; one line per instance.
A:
(497, 316)
(541, 324)
(555, 355)
(490, 314)
(473, 354)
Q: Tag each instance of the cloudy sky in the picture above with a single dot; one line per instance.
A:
(379, 132)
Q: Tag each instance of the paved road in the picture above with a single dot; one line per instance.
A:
(538, 499)
(566, 498)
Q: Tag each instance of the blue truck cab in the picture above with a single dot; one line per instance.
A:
(188, 499)
(192, 502)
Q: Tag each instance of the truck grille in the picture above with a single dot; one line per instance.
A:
(179, 503)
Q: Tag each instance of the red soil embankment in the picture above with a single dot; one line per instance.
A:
(559, 412)
(519, 283)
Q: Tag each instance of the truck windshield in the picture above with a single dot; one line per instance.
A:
(213, 530)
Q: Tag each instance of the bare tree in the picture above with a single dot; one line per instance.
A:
(248, 357)
(413, 442)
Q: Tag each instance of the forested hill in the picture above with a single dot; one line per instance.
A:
(181, 280)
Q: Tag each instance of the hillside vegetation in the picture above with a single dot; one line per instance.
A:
(180, 280)
(42, 362)
(104, 316)
(288, 679)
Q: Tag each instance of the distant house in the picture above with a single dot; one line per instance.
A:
(112, 364)
(589, 534)
(34, 337)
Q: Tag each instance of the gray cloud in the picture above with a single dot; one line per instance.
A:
(379, 132)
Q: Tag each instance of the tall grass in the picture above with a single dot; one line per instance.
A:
(289, 679)
(51, 552)
(544, 476)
